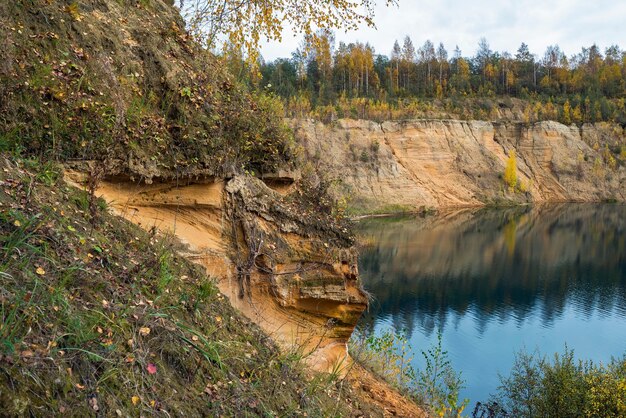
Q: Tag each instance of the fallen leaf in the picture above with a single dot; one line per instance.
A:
(152, 369)
(143, 331)
(40, 271)
(135, 400)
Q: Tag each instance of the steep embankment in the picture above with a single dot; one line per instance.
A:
(101, 318)
(288, 268)
(416, 164)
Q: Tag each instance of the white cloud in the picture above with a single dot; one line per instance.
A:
(572, 24)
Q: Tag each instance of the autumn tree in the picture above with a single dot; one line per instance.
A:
(320, 63)
(354, 67)
(244, 23)
(408, 59)
(566, 117)
(586, 87)
(460, 80)
(510, 171)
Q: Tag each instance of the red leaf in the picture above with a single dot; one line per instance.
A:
(151, 368)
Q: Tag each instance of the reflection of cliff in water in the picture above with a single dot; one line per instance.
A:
(495, 264)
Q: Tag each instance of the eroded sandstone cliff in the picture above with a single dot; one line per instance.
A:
(417, 164)
(287, 268)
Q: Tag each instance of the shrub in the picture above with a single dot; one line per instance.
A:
(563, 387)
(510, 171)
(436, 387)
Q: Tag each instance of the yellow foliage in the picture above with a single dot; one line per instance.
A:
(524, 186)
(74, 12)
(567, 113)
(510, 171)
(609, 159)
(244, 24)
(577, 116)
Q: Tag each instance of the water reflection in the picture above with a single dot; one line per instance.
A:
(496, 265)
(498, 281)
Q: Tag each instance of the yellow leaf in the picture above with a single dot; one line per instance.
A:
(135, 400)
(40, 271)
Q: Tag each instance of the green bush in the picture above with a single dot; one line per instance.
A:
(563, 387)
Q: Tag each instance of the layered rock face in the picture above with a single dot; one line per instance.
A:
(441, 163)
(288, 269)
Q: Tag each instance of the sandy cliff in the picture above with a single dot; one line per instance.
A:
(437, 163)
(289, 270)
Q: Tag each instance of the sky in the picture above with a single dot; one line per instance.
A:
(505, 24)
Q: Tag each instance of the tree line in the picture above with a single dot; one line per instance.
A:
(586, 87)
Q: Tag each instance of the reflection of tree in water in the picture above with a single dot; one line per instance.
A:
(495, 265)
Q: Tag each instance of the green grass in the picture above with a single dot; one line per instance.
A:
(89, 307)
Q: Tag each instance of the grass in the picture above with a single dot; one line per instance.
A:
(99, 316)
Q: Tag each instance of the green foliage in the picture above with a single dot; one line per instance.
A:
(439, 384)
(563, 387)
(389, 355)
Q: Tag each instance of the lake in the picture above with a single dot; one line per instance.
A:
(497, 281)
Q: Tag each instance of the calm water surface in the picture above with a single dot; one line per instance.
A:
(499, 281)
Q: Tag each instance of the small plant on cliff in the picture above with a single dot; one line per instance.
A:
(510, 171)
(436, 387)
(389, 355)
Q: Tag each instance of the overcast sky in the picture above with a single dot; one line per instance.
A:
(571, 24)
